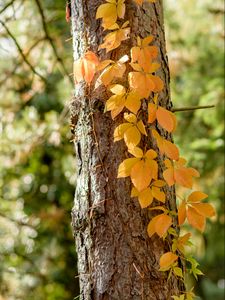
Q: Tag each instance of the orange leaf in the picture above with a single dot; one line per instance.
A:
(182, 213)
(126, 166)
(119, 131)
(157, 194)
(166, 147)
(141, 175)
(167, 259)
(204, 209)
(162, 224)
(145, 198)
(112, 70)
(85, 68)
(195, 219)
(152, 109)
(171, 150)
(158, 83)
(196, 196)
(164, 118)
(183, 177)
(159, 224)
(168, 175)
(139, 82)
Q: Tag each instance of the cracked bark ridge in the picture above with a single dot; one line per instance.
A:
(116, 258)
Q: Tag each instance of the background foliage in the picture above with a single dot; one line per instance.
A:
(37, 257)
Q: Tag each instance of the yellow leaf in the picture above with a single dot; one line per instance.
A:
(178, 272)
(154, 168)
(114, 39)
(196, 196)
(145, 198)
(133, 102)
(181, 242)
(131, 118)
(167, 259)
(121, 8)
(132, 137)
(117, 89)
(158, 194)
(143, 54)
(134, 192)
(125, 167)
(120, 130)
(141, 127)
(150, 154)
(108, 13)
(195, 219)
(103, 64)
(122, 99)
(112, 70)
(115, 104)
(136, 151)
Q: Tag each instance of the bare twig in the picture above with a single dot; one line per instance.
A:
(19, 63)
(21, 52)
(49, 38)
(6, 6)
(191, 108)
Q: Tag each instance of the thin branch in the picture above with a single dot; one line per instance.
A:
(21, 52)
(6, 6)
(191, 108)
(49, 38)
(19, 63)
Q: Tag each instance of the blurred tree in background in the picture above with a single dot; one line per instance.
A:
(37, 256)
(195, 37)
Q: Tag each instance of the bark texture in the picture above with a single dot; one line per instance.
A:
(116, 258)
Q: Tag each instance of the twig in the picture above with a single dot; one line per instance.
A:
(6, 6)
(49, 38)
(21, 52)
(19, 63)
(191, 108)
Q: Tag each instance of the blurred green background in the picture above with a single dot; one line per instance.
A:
(37, 254)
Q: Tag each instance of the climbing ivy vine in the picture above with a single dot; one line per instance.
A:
(143, 87)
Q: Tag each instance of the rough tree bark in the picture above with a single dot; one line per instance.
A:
(116, 258)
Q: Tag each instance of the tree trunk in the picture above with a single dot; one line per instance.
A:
(116, 258)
